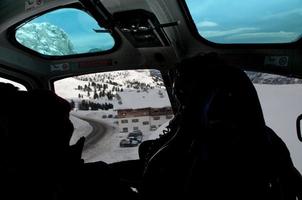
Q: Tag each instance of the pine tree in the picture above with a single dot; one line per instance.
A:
(95, 96)
(72, 104)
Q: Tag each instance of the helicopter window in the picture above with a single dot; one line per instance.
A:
(78, 33)
(250, 21)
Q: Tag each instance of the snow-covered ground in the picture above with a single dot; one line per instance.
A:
(281, 106)
(107, 149)
(81, 128)
(68, 87)
(135, 99)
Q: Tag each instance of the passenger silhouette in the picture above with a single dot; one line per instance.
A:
(38, 130)
(39, 162)
(220, 147)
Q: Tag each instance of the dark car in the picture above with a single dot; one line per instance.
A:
(136, 135)
(129, 142)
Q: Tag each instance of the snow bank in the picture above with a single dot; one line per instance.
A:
(81, 128)
(45, 38)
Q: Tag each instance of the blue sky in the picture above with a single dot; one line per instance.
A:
(247, 21)
(221, 21)
(79, 26)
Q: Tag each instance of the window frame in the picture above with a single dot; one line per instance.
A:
(25, 79)
(12, 79)
(146, 123)
(124, 121)
(12, 32)
(135, 120)
(156, 118)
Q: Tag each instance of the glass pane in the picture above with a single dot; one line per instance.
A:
(64, 32)
(248, 21)
(281, 98)
(116, 111)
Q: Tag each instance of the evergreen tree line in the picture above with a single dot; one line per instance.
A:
(96, 90)
(88, 105)
(138, 85)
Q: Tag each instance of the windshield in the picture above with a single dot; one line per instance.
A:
(248, 21)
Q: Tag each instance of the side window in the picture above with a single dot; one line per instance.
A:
(124, 121)
(135, 120)
(281, 98)
(63, 32)
(130, 100)
(16, 84)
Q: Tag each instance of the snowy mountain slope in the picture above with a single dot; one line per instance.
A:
(136, 99)
(103, 87)
(45, 38)
(126, 79)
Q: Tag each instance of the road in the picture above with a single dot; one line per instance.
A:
(97, 133)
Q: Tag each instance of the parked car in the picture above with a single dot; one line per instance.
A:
(129, 142)
(153, 128)
(136, 135)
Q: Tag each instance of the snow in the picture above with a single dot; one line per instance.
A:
(108, 149)
(132, 99)
(124, 77)
(45, 38)
(66, 88)
(81, 129)
(281, 106)
(159, 131)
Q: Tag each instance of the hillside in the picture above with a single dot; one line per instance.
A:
(99, 91)
(45, 38)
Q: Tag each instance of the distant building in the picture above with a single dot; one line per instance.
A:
(142, 110)
(144, 119)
